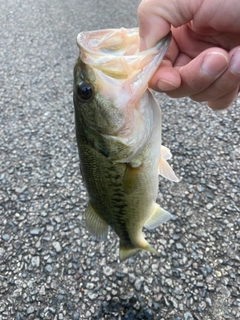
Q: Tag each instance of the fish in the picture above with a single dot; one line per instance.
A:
(118, 131)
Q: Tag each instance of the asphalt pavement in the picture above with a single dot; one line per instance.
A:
(50, 268)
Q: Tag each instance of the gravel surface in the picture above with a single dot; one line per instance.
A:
(50, 268)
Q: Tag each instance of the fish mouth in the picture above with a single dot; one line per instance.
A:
(117, 62)
(121, 75)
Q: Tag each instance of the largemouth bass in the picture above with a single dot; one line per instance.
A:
(118, 129)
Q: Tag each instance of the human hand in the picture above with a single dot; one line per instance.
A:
(203, 59)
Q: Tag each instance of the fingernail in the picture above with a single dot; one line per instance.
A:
(214, 64)
(235, 62)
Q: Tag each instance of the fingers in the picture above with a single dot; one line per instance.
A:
(221, 85)
(224, 101)
(155, 18)
(221, 93)
(230, 79)
(196, 75)
(192, 66)
(201, 72)
(213, 76)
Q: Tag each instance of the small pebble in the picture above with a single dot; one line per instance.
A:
(188, 316)
(76, 315)
(35, 261)
(30, 310)
(35, 232)
(57, 246)
(48, 268)
(138, 284)
(6, 237)
(179, 246)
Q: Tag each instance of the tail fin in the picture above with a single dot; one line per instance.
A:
(125, 253)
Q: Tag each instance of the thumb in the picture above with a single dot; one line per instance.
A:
(155, 18)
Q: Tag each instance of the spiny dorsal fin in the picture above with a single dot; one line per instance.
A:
(95, 224)
(158, 216)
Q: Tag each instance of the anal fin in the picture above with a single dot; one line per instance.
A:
(158, 216)
(95, 224)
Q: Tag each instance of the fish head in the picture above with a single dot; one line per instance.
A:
(110, 76)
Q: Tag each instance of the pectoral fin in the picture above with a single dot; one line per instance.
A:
(165, 153)
(158, 216)
(165, 170)
(95, 224)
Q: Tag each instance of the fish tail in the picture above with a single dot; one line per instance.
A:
(152, 250)
(125, 253)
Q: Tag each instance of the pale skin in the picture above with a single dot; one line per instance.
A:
(203, 60)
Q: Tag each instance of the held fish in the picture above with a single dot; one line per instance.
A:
(118, 129)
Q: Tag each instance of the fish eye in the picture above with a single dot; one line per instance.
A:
(84, 91)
